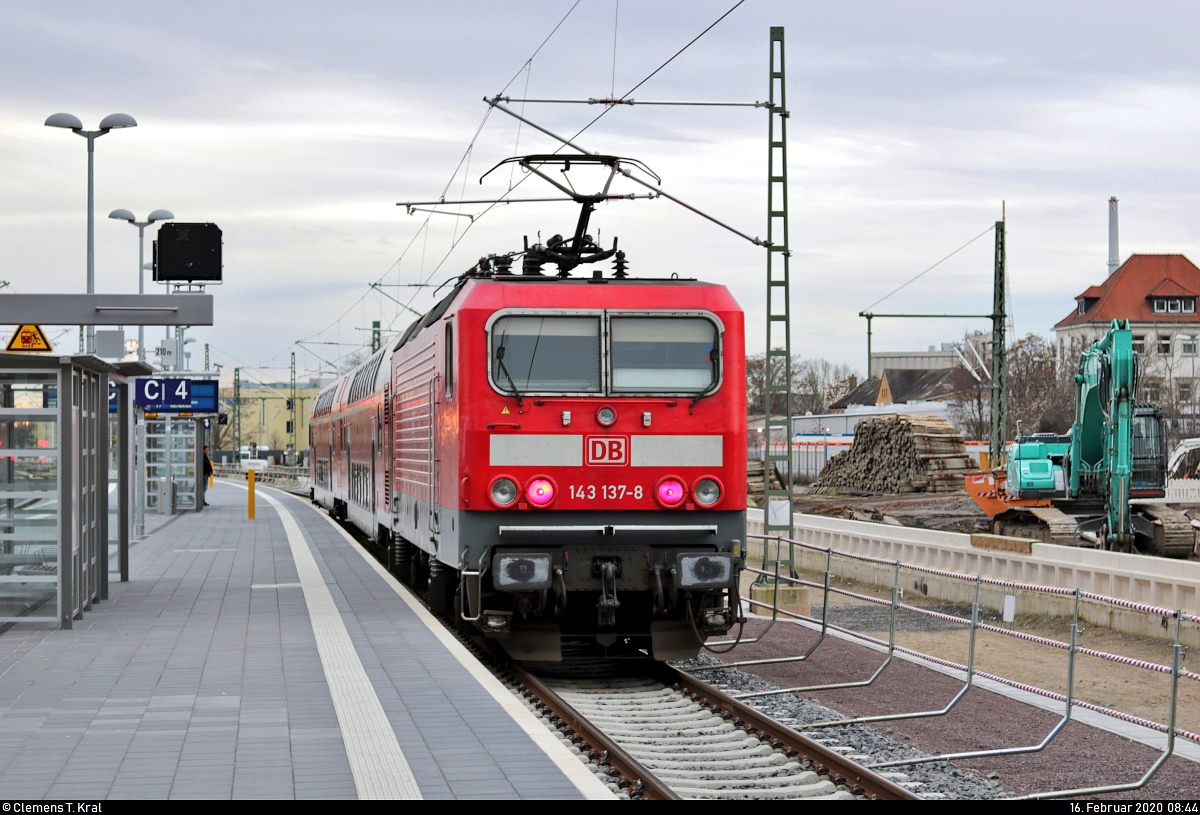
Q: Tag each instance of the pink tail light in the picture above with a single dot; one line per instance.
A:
(540, 492)
(670, 492)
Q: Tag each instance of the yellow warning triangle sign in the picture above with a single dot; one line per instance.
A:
(506, 411)
(29, 339)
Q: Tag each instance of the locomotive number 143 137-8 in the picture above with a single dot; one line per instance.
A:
(605, 492)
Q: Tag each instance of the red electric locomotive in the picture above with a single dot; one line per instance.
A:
(558, 461)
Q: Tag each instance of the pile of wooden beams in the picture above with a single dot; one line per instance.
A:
(898, 454)
(756, 471)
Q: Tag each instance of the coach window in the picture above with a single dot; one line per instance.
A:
(546, 354)
(663, 354)
(449, 360)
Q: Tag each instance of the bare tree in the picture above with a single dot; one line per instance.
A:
(1037, 396)
(352, 360)
(816, 384)
(970, 409)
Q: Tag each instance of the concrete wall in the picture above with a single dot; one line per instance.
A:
(1141, 579)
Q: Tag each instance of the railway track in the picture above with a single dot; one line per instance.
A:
(661, 734)
(666, 735)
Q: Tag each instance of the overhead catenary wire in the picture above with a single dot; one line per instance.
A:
(458, 237)
(646, 79)
(921, 274)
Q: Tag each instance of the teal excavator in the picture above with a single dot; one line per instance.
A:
(1093, 486)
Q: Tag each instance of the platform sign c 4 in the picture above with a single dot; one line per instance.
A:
(176, 395)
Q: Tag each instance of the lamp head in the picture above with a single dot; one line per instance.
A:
(115, 121)
(64, 120)
(161, 215)
(122, 215)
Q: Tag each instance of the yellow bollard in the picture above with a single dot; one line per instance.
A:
(250, 481)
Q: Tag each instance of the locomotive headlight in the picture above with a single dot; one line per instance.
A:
(670, 491)
(707, 492)
(606, 416)
(521, 571)
(504, 492)
(705, 571)
(540, 492)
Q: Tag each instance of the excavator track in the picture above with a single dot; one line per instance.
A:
(1171, 535)
(1178, 538)
(1046, 524)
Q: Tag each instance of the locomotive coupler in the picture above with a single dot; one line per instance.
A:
(606, 610)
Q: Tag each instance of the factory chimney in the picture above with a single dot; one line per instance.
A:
(1114, 254)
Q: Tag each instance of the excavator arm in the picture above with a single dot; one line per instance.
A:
(1101, 456)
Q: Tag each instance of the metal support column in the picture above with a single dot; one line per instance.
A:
(139, 508)
(999, 401)
(67, 499)
(237, 417)
(868, 316)
(125, 475)
(777, 368)
(100, 459)
(292, 394)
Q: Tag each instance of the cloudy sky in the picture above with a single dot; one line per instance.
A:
(298, 126)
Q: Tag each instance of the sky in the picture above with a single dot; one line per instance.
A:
(297, 127)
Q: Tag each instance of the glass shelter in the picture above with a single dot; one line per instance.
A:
(54, 485)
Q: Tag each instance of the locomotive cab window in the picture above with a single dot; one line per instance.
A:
(663, 354)
(546, 354)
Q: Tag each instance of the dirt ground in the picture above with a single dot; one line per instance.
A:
(949, 513)
(1125, 688)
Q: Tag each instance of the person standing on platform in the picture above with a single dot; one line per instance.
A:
(208, 471)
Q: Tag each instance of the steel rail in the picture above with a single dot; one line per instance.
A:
(643, 781)
(860, 780)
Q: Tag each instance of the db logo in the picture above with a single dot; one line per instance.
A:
(607, 450)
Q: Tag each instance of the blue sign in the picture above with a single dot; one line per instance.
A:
(113, 390)
(176, 395)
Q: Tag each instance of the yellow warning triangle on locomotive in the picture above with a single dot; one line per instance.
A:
(506, 411)
(29, 339)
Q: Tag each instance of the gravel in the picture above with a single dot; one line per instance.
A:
(933, 780)
(877, 618)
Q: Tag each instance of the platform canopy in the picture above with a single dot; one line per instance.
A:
(107, 309)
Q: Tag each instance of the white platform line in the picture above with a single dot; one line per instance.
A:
(575, 771)
(377, 763)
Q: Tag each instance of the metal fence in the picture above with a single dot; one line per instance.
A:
(807, 457)
(815, 555)
(288, 478)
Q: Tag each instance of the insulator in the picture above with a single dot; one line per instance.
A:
(504, 265)
(531, 265)
(620, 266)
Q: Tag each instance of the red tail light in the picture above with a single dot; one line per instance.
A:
(670, 491)
(540, 492)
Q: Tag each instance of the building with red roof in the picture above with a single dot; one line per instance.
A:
(1157, 294)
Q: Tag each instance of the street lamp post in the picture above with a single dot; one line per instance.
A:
(157, 215)
(114, 121)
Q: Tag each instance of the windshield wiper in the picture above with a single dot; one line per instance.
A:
(711, 389)
(504, 368)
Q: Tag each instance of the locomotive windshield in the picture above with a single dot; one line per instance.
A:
(663, 354)
(540, 354)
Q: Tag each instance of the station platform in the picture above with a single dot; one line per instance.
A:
(270, 658)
